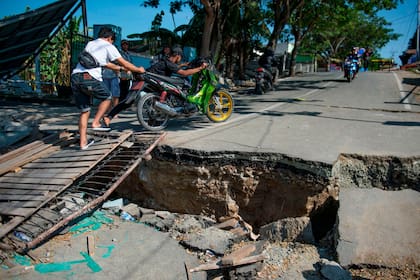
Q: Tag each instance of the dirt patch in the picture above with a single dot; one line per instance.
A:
(408, 272)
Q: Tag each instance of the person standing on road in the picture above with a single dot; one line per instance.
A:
(112, 82)
(366, 59)
(87, 82)
(125, 76)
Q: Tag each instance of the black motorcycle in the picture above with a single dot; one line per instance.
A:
(263, 80)
(163, 98)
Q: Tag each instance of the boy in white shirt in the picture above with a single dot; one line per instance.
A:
(87, 82)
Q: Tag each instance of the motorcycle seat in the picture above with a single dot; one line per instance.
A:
(173, 80)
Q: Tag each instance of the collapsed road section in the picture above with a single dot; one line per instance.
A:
(366, 207)
(349, 205)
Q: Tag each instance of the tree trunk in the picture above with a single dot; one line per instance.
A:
(208, 24)
(282, 10)
(298, 41)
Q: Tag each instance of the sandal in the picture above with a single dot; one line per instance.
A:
(102, 128)
(89, 143)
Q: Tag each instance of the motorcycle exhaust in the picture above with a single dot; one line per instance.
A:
(165, 109)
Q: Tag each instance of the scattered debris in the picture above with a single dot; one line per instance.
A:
(90, 245)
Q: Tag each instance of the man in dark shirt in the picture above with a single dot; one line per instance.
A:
(166, 67)
(171, 65)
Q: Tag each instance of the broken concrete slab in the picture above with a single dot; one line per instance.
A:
(378, 227)
(214, 239)
(379, 198)
(384, 172)
(333, 271)
(189, 223)
(289, 230)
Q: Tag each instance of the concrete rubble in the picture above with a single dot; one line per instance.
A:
(218, 249)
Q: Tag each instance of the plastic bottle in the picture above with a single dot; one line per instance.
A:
(22, 236)
(127, 217)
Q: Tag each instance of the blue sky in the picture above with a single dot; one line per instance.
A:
(133, 18)
(404, 22)
(128, 14)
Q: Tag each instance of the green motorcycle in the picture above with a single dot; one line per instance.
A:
(168, 97)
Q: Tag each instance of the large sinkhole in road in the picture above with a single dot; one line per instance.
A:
(259, 187)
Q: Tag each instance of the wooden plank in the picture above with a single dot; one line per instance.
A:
(76, 152)
(19, 204)
(22, 192)
(23, 197)
(36, 165)
(34, 181)
(218, 265)
(14, 159)
(68, 159)
(24, 158)
(236, 256)
(46, 140)
(31, 187)
(90, 245)
(11, 211)
(55, 171)
(5, 228)
(63, 173)
(230, 223)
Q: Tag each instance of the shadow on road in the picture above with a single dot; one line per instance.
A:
(402, 123)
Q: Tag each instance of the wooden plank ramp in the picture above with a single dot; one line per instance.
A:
(38, 180)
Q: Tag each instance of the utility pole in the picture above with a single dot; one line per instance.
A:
(418, 31)
(84, 18)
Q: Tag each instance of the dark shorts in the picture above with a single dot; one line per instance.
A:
(85, 88)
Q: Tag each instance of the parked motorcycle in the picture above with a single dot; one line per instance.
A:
(165, 97)
(263, 80)
(350, 69)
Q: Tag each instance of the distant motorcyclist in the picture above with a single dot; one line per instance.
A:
(354, 57)
(268, 62)
(267, 58)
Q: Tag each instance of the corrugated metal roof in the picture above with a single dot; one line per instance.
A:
(24, 35)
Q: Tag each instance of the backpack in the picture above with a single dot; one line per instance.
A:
(87, 60)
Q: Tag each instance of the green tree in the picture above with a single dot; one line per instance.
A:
(55, 58)
(342, 25)
(303, 20)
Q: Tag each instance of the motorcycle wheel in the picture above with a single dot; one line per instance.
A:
(220, 106)
(258, 89)
(349, 77)
(148, 116)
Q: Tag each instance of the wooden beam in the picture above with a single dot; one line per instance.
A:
(218, 265)
(237, 255)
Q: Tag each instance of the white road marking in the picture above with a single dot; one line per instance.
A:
(402, 92)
